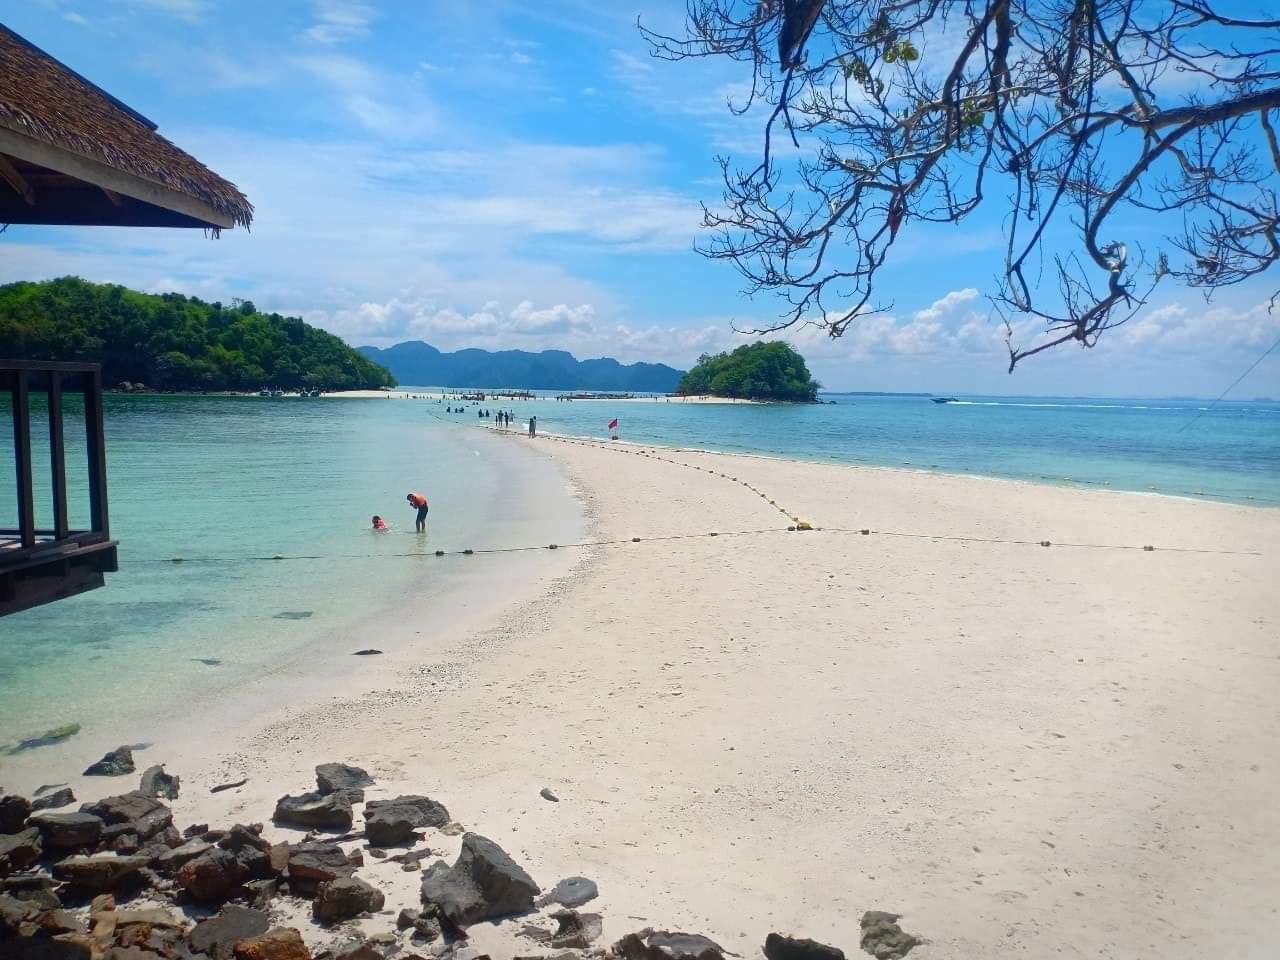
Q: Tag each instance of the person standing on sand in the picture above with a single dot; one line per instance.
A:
(419, 502)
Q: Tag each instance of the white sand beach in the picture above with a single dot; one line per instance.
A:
(1025, 750)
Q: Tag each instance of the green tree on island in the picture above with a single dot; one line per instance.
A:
(172, 342)
(757, 371)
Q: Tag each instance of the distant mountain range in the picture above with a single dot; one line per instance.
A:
(416, 363)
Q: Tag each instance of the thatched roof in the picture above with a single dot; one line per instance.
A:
(77, 152)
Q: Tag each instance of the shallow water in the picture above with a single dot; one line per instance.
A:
(228, 483)
(1227, 451)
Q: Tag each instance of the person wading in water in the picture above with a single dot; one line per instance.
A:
(419, 502)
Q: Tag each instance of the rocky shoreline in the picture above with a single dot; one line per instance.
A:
(118, 880)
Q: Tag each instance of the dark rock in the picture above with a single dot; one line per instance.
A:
(171, 860)
(484, 883)
(407, 918)
(262, 892)
(282, 943)
(157, 783)
(546, 794)
(127, 843)
(102, 871)
(146, 816)
(54, 922)
(779, 947)
(19, 850)
(345, 898)
(370, 652)
(217, 936)
(391, 822)
(14, 914)
(571, 892)
(14, 811)
(196, 830)
(211, 877)
(318, 862)
(342, 778)
(228, 786)
(51, 801)
(116, 763)
(68, 831)
(256, 863)
(48, 738)
(34, 888)
(883, 938)
(651, 944)
(575, 930)
(240, 837)
(427, 928)
(326, 811)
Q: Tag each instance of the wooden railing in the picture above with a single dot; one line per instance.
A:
(42, 564)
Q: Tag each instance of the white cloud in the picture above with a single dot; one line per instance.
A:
(338, 21)
(72, 17)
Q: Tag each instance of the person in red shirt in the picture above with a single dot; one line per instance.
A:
(419, 502)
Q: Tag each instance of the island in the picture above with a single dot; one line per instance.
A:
(770, 371)
(176, 343)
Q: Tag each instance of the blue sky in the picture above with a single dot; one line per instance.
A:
(513, 174)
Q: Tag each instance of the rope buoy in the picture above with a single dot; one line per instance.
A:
(468, 551)
(439, 553)
(1045, 543)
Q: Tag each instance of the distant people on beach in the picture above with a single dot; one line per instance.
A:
(379, 524)
(533, 426)
(419, 502)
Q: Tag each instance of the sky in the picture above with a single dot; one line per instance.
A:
(524, 175)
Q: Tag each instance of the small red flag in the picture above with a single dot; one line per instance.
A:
(613, 424)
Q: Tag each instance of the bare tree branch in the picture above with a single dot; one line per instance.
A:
(1084, 121)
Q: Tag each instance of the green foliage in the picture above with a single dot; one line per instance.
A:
(172, 342)
(757, 371)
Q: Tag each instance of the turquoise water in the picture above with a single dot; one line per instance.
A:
(227, 483)
(1227, 451)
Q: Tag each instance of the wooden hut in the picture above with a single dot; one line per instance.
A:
(71, 154)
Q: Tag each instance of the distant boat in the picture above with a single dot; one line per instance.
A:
(264, 392)
(943, 399)
(277, 393)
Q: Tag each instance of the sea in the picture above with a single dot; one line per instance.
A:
(244, 522)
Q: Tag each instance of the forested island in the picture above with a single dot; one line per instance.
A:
(173, 342)
(757, 371)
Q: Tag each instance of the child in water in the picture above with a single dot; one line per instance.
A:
(379, 524)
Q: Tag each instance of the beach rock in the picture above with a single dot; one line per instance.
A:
(14, 811)
(217, 936)
(780, 947)
(149, 916)
(211, 877)
(342, 778)
(171, 860)
(546, 794)
(36, 889)
(14, 915)
(229, 786)
(330, 811)
(241, 837)
(368, 652)
(575, 930)
(649, 944)
(571, 892)
(282, 943)
(345, 898)
(19, 850)
(116, 763)
(157, 783)
(99, 872)
(143, 815)
(318, 862)
(54, 922)
(196, 830)
(391, 822)
(484, 883)
(883, 938)
(262, 892)
(68, 831)
(51, 801)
